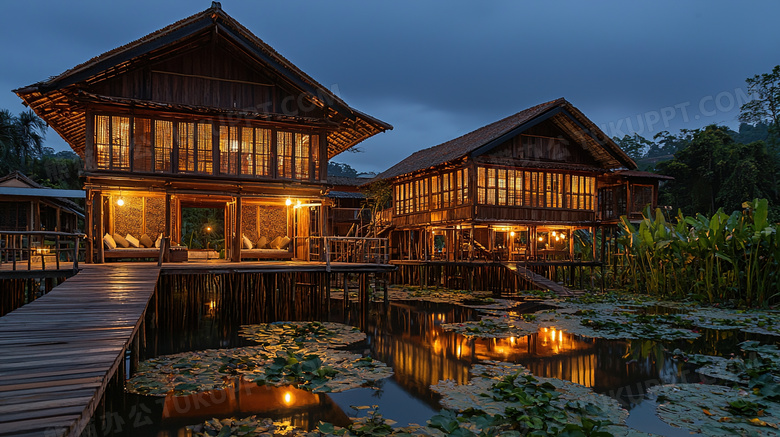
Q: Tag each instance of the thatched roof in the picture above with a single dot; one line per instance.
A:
(560, 111)
(56, 99)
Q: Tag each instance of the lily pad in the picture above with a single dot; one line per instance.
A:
(192, 372)
(317, 370)
(716, 410)
(285, 335)
(504, 390)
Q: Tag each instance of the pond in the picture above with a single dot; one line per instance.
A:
(410, 337)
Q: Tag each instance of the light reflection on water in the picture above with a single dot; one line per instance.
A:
(409, 338)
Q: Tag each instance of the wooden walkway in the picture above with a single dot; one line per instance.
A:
(59, 352)
(539, 280)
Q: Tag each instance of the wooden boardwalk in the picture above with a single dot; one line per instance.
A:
(59, 352)
(539, 280)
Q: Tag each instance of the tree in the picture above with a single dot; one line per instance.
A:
(713, 171)
(21, 140)
(340, 169)
(765, 108)
(635, 146)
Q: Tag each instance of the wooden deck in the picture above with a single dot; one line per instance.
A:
(58, 353)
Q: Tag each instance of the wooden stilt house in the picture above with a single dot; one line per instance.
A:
(516, 189)
(201, 113)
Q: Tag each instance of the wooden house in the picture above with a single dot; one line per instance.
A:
(201, 113)
(26, 205)
(515, 189)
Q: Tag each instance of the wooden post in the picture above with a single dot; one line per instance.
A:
(75, 254)
(89, 229)
(99, 217)
(237, 241)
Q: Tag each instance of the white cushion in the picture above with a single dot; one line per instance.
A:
(158, 241)
(108, 240)
(132, 240)
(247, 243)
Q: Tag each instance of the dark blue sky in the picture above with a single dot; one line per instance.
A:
(438, 69)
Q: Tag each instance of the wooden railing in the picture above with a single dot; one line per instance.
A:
(34, 248)
(350, 249)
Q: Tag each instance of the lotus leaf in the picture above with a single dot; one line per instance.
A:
(285, 335)
(716, 410)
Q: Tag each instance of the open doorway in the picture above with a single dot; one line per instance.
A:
(203, 232)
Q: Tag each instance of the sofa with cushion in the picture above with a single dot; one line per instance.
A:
(119, 247)
(278, 248)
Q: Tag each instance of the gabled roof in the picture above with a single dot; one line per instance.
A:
(560, 111)
(17, 184)
(55, 99)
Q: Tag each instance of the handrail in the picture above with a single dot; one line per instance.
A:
(353, 249)
(15, 245)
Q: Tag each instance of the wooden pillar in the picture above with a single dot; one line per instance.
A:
(237, 243)
(100, 228)
(89, 228)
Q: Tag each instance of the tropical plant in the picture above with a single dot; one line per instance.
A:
(21, 139)
(723, 258)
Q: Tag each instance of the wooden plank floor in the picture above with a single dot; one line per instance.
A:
(539, 280)
(58, 353)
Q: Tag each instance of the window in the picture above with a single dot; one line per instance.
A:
(142, 145)
(228, 150)
(187, 147)
(247, 157)
(641, 196)
(491, 186)
(205, 141)
(163, 145)
(302, 147)
(112, 142)
(284, 155)
(435, 192)
(315, 155)
(501, 183)
(262, 152)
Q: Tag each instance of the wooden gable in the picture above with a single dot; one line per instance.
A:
(544, 142)
(209, 72)
(206, 64)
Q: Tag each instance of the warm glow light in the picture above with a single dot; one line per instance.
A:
(563, 235)
(288, 398)
(552, 335)
(212, 304)
(458, 351)
(541, 238)
(553, 233)
(512, 234)
(557, 239)
(298, 202)
(120, 201)
(208, 228)
(288, 202)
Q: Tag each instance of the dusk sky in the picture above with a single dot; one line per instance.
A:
(438, 69)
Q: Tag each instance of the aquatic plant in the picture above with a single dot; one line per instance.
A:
(285, 335)
(723, 258)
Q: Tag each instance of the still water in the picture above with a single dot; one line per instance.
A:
(407, 335)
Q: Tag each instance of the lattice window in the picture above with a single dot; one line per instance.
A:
(163, 145)
(315, 155)
(262, 152)
(284, 155)
(112, 142)
(302, 157)
(205, 148)
(229, 146)
(143, 145)
(186, 144)
(246, 157)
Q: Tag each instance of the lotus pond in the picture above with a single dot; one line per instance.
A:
(439, 362)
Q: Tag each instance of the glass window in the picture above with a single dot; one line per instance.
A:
(262, 152)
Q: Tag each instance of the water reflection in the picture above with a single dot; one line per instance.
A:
(301, 408)
(407, 336)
